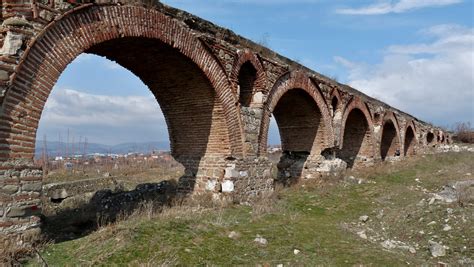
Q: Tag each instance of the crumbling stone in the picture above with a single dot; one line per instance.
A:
(11, 44)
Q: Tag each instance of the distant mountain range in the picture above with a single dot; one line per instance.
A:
(61, 149)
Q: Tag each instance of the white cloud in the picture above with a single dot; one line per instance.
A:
(67, 106)
(400, 6)
(433, 81)
(103, 118)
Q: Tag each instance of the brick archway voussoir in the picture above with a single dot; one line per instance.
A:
(80, 29)
(389, 116)
(287, 82)
(356, 103)
(244, 56)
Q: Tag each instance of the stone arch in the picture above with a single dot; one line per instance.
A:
(409, 140)
(97, 29)
(356, 143)
(248, 75)
(291, 87)
(390, 138)
(336, 101)
(430, 138)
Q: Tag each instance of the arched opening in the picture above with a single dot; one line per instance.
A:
(105, 132)
(430, 138)
(299, 119)
(274, 150)
(389, 146)
(247, 78)
(409, 146)
(193, 114)
(442, 139)
(94, 124)
(356, 145)
(334, 103)
(190, 85)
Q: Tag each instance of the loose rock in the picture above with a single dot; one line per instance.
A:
(234, 235)
(362, 234)
(260, 240)
(364, 218)
(436, 249)
(447, 228)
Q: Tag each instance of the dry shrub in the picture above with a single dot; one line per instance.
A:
(464, 133)
(265, 203)
(8, 250)
(14, 253)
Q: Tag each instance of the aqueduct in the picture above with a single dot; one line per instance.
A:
(217, 91)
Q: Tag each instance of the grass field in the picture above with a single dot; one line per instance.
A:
(312, 223)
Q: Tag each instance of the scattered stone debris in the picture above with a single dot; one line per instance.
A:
(432, 201)
(362, 234)
(331, 166)
(454, 148)
(380, 214)
(436, 249)
(451, 193)
(394, 244)
(353, 180)
(234, 235)
(364, 218)
(447, 228)
(260, 240)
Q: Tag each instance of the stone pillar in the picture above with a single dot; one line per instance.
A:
(20, 201)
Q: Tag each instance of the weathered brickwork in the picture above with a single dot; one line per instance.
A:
(217, 92)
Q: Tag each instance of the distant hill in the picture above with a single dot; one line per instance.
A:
(59, 148)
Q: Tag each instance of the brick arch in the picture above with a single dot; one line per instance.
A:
(91, 28)
(246, 57)
(390, 139)
(356, 141)
(409, 139)
(430, 138)
(336, 95)
(292, 82)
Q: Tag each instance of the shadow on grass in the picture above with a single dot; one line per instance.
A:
(105, 206)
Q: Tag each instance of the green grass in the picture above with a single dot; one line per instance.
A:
(310, 219)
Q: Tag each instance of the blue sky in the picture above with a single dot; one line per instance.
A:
(417, 55)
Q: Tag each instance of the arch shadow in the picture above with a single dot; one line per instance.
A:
(390, 139)
(357, 135)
